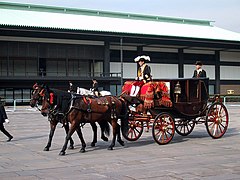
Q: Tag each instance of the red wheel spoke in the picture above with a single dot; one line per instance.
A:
(217, 120)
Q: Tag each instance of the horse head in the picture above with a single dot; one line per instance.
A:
(35, 95)
(47, 100)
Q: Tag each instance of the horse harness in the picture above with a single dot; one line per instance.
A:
(102, 102)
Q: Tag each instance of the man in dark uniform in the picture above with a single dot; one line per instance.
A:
(143, 74)
(71, 87)
(4, 119)
(199, 72)
(95, 87)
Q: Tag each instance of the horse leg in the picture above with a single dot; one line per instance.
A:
(66, 127)
(104, 128)
(119, 139)
(80, 135)
(114, 127)
(51, 133)
(74, 126)
(94, 128)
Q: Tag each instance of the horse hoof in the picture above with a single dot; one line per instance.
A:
(121, 143)
(105, 139)
(46, 149)
(110, 148)
(92, 144)
(71, 147)
(82, 150)
(62, 153)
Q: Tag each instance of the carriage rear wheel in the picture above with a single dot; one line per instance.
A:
(163, 128)
(135, 130)
(184, 127)
(217, 120)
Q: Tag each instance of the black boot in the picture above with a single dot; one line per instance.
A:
(9, 138)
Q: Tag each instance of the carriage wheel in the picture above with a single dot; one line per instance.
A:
(163, 128)
(184, 127)
(217, 120)
(135, 130)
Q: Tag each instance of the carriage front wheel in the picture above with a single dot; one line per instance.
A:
(163, 128)
(217, 120)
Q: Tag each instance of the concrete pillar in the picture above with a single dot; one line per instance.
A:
(180, 63)
(106, 63)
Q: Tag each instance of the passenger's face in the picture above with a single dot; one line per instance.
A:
(198, 67)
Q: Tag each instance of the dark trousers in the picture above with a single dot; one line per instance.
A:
(5, 131)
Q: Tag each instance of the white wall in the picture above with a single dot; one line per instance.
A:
(164, 70)
(210, 70)
(129, 69)
(230, 73)
(158, 70)
(230, 56)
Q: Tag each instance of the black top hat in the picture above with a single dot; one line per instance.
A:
(199, 63)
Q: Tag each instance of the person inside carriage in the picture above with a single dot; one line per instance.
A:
(143, 74)
(199, 72)
(145, 88)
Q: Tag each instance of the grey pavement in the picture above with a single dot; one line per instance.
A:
(196, 156)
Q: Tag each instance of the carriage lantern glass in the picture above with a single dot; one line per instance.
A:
(177, 90)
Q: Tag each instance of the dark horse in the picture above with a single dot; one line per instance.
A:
(56, 117)
(89, 110)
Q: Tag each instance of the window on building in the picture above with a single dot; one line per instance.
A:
(3, 66)
(55, 67)
(78, 68)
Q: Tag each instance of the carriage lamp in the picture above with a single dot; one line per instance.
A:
(177, 90)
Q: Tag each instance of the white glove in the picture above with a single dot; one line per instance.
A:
(7, 121)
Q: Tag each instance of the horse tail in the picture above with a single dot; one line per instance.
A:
(124, 117)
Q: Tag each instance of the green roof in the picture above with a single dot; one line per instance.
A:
(39, 16)
(53, 9)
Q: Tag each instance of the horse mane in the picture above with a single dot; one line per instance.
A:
(62, 99)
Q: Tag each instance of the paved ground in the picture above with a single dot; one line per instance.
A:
(196, 156)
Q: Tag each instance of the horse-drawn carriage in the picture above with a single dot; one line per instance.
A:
(176, 105)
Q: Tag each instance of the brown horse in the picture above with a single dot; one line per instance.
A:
(56, 117)
(89, 110)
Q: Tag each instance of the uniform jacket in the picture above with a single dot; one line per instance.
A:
(201, 74)
(144, 74)
(3, 114)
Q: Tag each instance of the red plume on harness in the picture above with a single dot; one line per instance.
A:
(51, 98)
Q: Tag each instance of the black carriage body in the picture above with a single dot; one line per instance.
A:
(189, 98)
